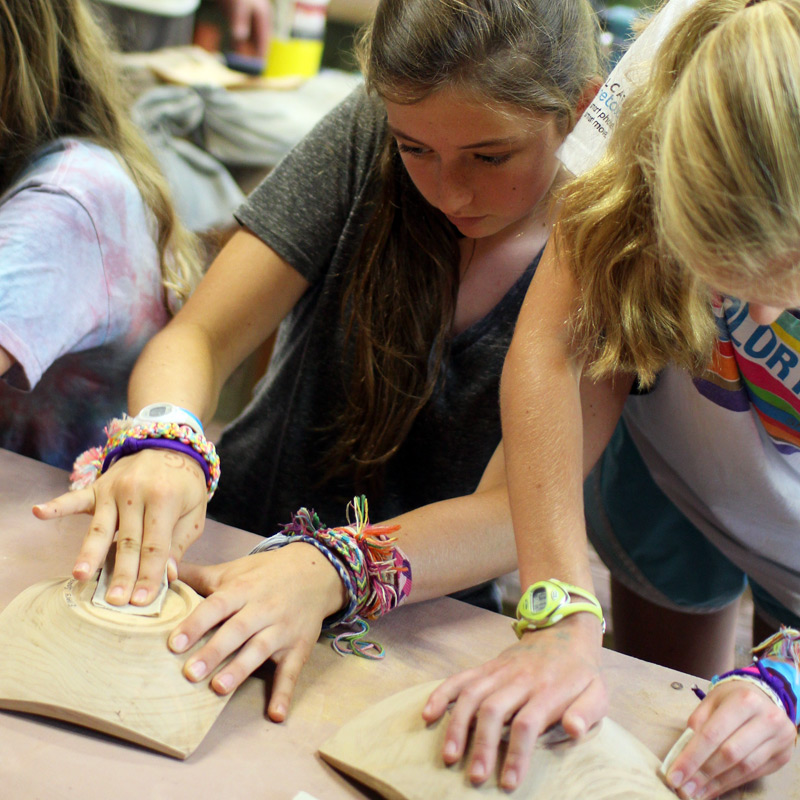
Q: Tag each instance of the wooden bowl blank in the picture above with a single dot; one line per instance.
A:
(389, 749)
(64, 658)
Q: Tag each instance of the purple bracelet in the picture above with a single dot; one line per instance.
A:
(131, 446)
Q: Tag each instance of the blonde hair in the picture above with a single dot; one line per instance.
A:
(698, 185)
(57, 78)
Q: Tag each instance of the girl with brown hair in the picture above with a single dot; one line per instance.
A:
(393, 247)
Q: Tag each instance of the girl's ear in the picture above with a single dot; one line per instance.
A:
(591, 88)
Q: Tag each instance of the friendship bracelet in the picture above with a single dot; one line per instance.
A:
(775, 670)
(126, 437)
(375, 572)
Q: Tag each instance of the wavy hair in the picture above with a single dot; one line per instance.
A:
(699, 188)
(57, 78)
(523, 56)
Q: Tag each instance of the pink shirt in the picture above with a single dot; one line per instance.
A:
(80, 294)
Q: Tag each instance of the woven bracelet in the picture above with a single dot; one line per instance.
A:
(131, 446)
(378, 574)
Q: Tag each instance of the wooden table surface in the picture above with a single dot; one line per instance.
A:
(244, 755)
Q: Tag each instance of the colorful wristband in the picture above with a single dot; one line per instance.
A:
(121, 433)
(775, 670)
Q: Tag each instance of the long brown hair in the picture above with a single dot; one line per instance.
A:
(399, 302)
(700, 184)
(57, 78)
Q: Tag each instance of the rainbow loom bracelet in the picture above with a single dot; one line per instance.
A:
(124, 438)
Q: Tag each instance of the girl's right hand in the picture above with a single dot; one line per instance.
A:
(155, 501)
(551, 675)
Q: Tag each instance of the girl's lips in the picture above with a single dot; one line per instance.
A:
(464, 220)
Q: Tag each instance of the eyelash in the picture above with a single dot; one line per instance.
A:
(419, 152)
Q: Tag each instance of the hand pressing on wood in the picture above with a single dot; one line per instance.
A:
(155, 504)
(551, 675)
(740, 734)
(270, 606)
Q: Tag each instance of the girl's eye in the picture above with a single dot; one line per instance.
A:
(411, 149)
(494, 161)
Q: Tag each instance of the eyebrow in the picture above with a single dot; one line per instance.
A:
(473, 146)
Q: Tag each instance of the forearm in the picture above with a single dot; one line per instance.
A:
(457, 543)
(556, 424)
(238, 305)
(544, 460)
(177, 366)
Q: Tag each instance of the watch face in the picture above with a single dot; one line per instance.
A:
(158, 411)
(539, 600)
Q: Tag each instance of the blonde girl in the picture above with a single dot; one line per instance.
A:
(90, 248)
(675, 266)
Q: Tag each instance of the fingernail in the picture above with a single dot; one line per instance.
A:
(689, 788)
(196, 669)
(580, 726)
(510, 779)
(115, 593)
(139, 596)
(172, 569)
(178, 644)
(477, 771)
(427, 709)
(450, 749)
(83, 568)
(701, 794)
(224, 682)
(675, 779)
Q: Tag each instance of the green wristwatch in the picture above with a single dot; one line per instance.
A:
(547, 602)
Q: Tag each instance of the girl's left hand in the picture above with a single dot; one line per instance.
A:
(740, 735)
(271, 606)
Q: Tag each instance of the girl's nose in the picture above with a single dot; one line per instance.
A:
(454, 191)
(764, 315)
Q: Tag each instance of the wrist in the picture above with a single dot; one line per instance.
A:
(547, 603)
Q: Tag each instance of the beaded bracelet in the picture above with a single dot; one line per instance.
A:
(775, 670)
(125, 438)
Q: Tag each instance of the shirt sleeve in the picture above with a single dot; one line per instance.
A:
(302, 208)
(54, 298)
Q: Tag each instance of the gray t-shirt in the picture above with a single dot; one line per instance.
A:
(312, 210)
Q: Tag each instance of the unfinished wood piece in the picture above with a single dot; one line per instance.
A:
(389, 749)
(64, 658)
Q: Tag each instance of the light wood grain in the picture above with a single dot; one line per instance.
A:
(65, 658)
(389, 748)
(245, 756)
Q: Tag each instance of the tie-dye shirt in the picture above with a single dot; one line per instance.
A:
(726, 448)
(81, 294)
